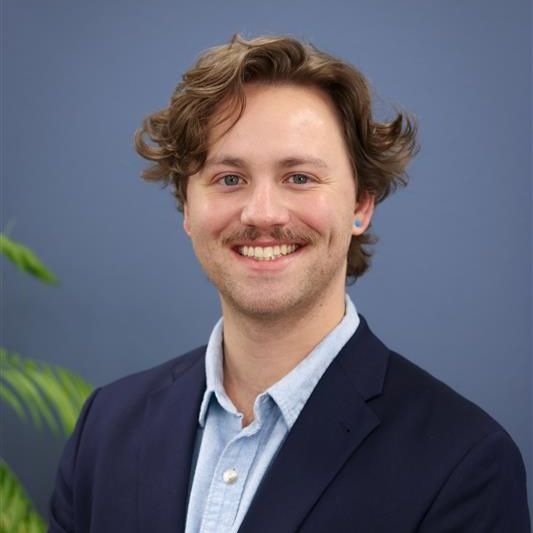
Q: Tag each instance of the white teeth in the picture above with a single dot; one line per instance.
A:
(268, 253)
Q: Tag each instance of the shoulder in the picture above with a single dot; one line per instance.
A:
(451, 448)
(472, 462)
(426, 407)
(408, 383)
(160, 374)
(129, 393)
(404, 394)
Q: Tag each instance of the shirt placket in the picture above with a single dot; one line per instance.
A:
(228, 483)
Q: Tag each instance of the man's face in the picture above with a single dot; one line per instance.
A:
(271, 213)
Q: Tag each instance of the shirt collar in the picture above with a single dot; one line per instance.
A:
(293, 390)
(214, 372)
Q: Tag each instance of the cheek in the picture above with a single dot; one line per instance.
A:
(208, 219)
(327, 214)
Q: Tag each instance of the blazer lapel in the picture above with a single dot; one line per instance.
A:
(331, 426)
(169, 431)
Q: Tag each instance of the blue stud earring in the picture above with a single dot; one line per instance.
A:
(357, 223)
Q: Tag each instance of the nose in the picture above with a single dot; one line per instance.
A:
(265, 206)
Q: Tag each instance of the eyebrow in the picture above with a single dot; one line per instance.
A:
(286, 162)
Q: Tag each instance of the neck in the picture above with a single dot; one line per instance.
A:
(259, 352)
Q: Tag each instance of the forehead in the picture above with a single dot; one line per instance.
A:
(279, 120)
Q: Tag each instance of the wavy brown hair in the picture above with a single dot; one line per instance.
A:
(379, 151)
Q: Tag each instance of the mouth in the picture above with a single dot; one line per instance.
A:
(267, 253)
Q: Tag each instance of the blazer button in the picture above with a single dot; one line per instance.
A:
(230, 476)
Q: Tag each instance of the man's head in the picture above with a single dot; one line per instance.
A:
(212, 96)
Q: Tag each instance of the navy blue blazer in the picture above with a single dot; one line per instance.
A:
(381, 446)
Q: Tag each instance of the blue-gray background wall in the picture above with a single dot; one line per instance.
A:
(450, 286)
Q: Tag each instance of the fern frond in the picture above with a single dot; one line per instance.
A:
(18, 513)
(50, 394)
(26, 260)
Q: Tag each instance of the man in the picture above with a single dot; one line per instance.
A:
(294, 417)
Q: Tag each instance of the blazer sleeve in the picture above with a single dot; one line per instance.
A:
(485, 493)
(61, 506)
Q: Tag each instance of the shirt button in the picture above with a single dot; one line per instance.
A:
(230, 476)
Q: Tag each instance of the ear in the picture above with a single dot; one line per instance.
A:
(186, 219)
(364, 209)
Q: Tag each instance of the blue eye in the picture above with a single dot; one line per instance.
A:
(230, 179)
(299, 179)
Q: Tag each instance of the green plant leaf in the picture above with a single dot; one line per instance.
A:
(29, 395)
(18, 514)
(79, 389)
(48, 393)
(26, 260)
(7, 395)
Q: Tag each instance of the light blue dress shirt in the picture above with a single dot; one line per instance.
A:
(232, 460)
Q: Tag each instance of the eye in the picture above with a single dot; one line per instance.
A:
(230, 180)
(299, 179)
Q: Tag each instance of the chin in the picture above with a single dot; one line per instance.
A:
(259, 307)
(271, 302)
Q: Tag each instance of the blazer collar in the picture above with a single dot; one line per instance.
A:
(334, 422)
(168, 437)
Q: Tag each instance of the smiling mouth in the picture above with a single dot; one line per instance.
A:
(267, 253)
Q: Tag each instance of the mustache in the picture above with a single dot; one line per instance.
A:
(276, 234)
